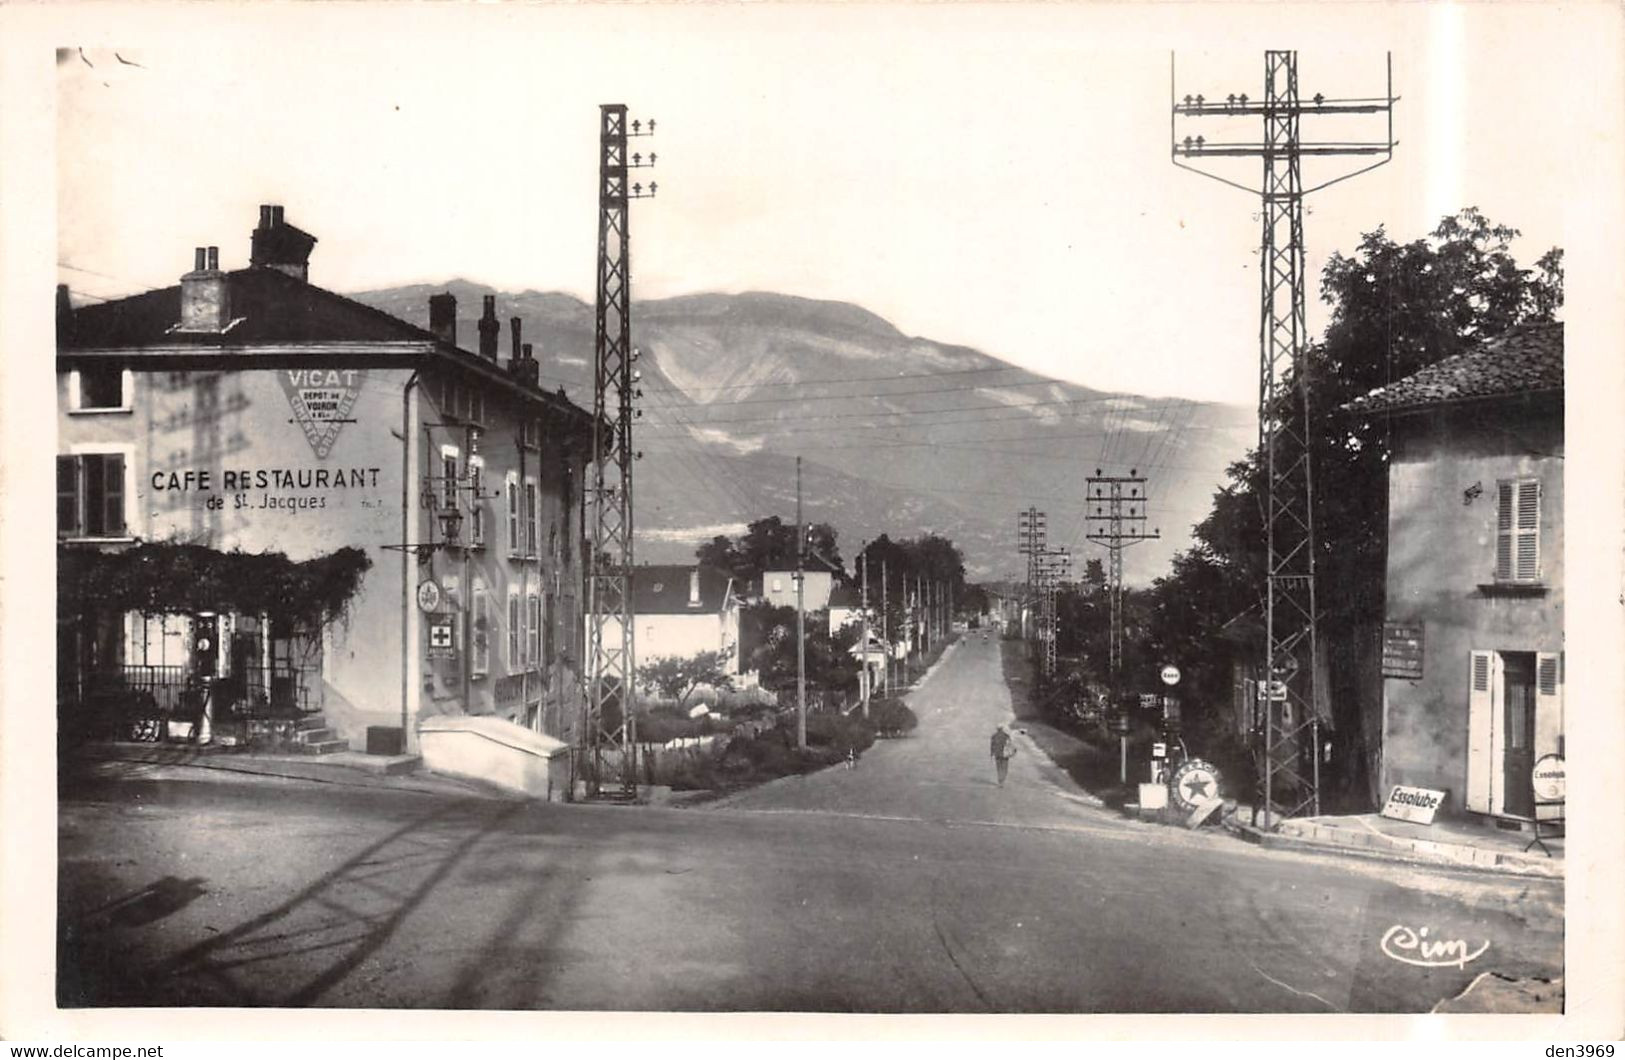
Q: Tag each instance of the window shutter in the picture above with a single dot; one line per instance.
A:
(531, 503)
(481, 648)
(113, 494)
(68, 490)
(513, 512)
(548, 647)
(1503, 532)
(1528, 563)
(513, 631)
(1547, 680)
(1480, 699)
(535, 615)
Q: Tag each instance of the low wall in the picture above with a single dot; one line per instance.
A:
(496, 751)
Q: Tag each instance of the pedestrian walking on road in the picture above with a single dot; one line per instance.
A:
(1003, 748)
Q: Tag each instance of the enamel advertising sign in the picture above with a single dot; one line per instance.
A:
(322, 399)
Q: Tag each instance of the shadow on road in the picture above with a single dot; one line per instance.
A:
(345, 915)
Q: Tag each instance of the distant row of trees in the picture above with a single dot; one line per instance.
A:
(903, 575)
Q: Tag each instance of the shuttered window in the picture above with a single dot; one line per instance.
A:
(1517, 531)
(90, 495)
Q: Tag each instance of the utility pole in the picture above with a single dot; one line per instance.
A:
(1290, 700)
(801, 625)
(1106, 514)
(863, 634)
(885, 622)
(609, 729)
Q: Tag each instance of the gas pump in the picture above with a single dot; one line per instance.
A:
(205, 672)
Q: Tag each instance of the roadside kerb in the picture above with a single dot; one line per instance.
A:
(1318, 837)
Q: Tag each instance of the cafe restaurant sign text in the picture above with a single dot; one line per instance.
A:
(289, 488)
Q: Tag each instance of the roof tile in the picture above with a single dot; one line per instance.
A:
(1527, 359)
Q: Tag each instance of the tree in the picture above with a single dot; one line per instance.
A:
(768, 637)
(678, 678)
(1396, 308)
(767, 544)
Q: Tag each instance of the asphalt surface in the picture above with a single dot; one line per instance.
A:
(910, 883)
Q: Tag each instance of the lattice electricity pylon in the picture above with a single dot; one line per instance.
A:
(1030, 533)
(1111, 526)
(1291, 704)
(608, 730)
(1052, 565)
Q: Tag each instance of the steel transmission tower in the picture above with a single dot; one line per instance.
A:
(1053, 565)
(1117, 529)
(1291, 704)
(608, 732)
(1030, 533)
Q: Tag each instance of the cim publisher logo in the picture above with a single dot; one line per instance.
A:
(322, 399)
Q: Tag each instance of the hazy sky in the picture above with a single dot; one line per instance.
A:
(995, 176)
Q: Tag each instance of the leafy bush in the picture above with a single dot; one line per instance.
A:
(890, 717)
(840, 732)
(660, 727)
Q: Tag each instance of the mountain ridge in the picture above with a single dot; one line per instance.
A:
(899, 434)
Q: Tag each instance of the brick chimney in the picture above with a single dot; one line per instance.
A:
(443, 317)
(490, 329)
(526, 369)
(275, 244)
(205, 296)
(517, 356)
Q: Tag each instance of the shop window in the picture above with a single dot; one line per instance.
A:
(1517, 538)
(90, 492)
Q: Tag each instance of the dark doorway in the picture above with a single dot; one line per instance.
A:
(1518, 721)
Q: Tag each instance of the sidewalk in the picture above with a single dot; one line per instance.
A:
(399, 772)
(1455, 843)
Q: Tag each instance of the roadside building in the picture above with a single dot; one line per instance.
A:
(681, 610)
(1473, 642)
(779, 588)
(845, 608)
(245, 412)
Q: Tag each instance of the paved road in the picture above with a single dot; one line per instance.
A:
(908, 884)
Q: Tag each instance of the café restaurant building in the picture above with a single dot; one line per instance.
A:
(286, 506)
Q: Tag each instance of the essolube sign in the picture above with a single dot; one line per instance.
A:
(1413, 804)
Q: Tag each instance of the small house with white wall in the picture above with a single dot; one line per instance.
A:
(779, 588)
(1473, 636)
(681, 610)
